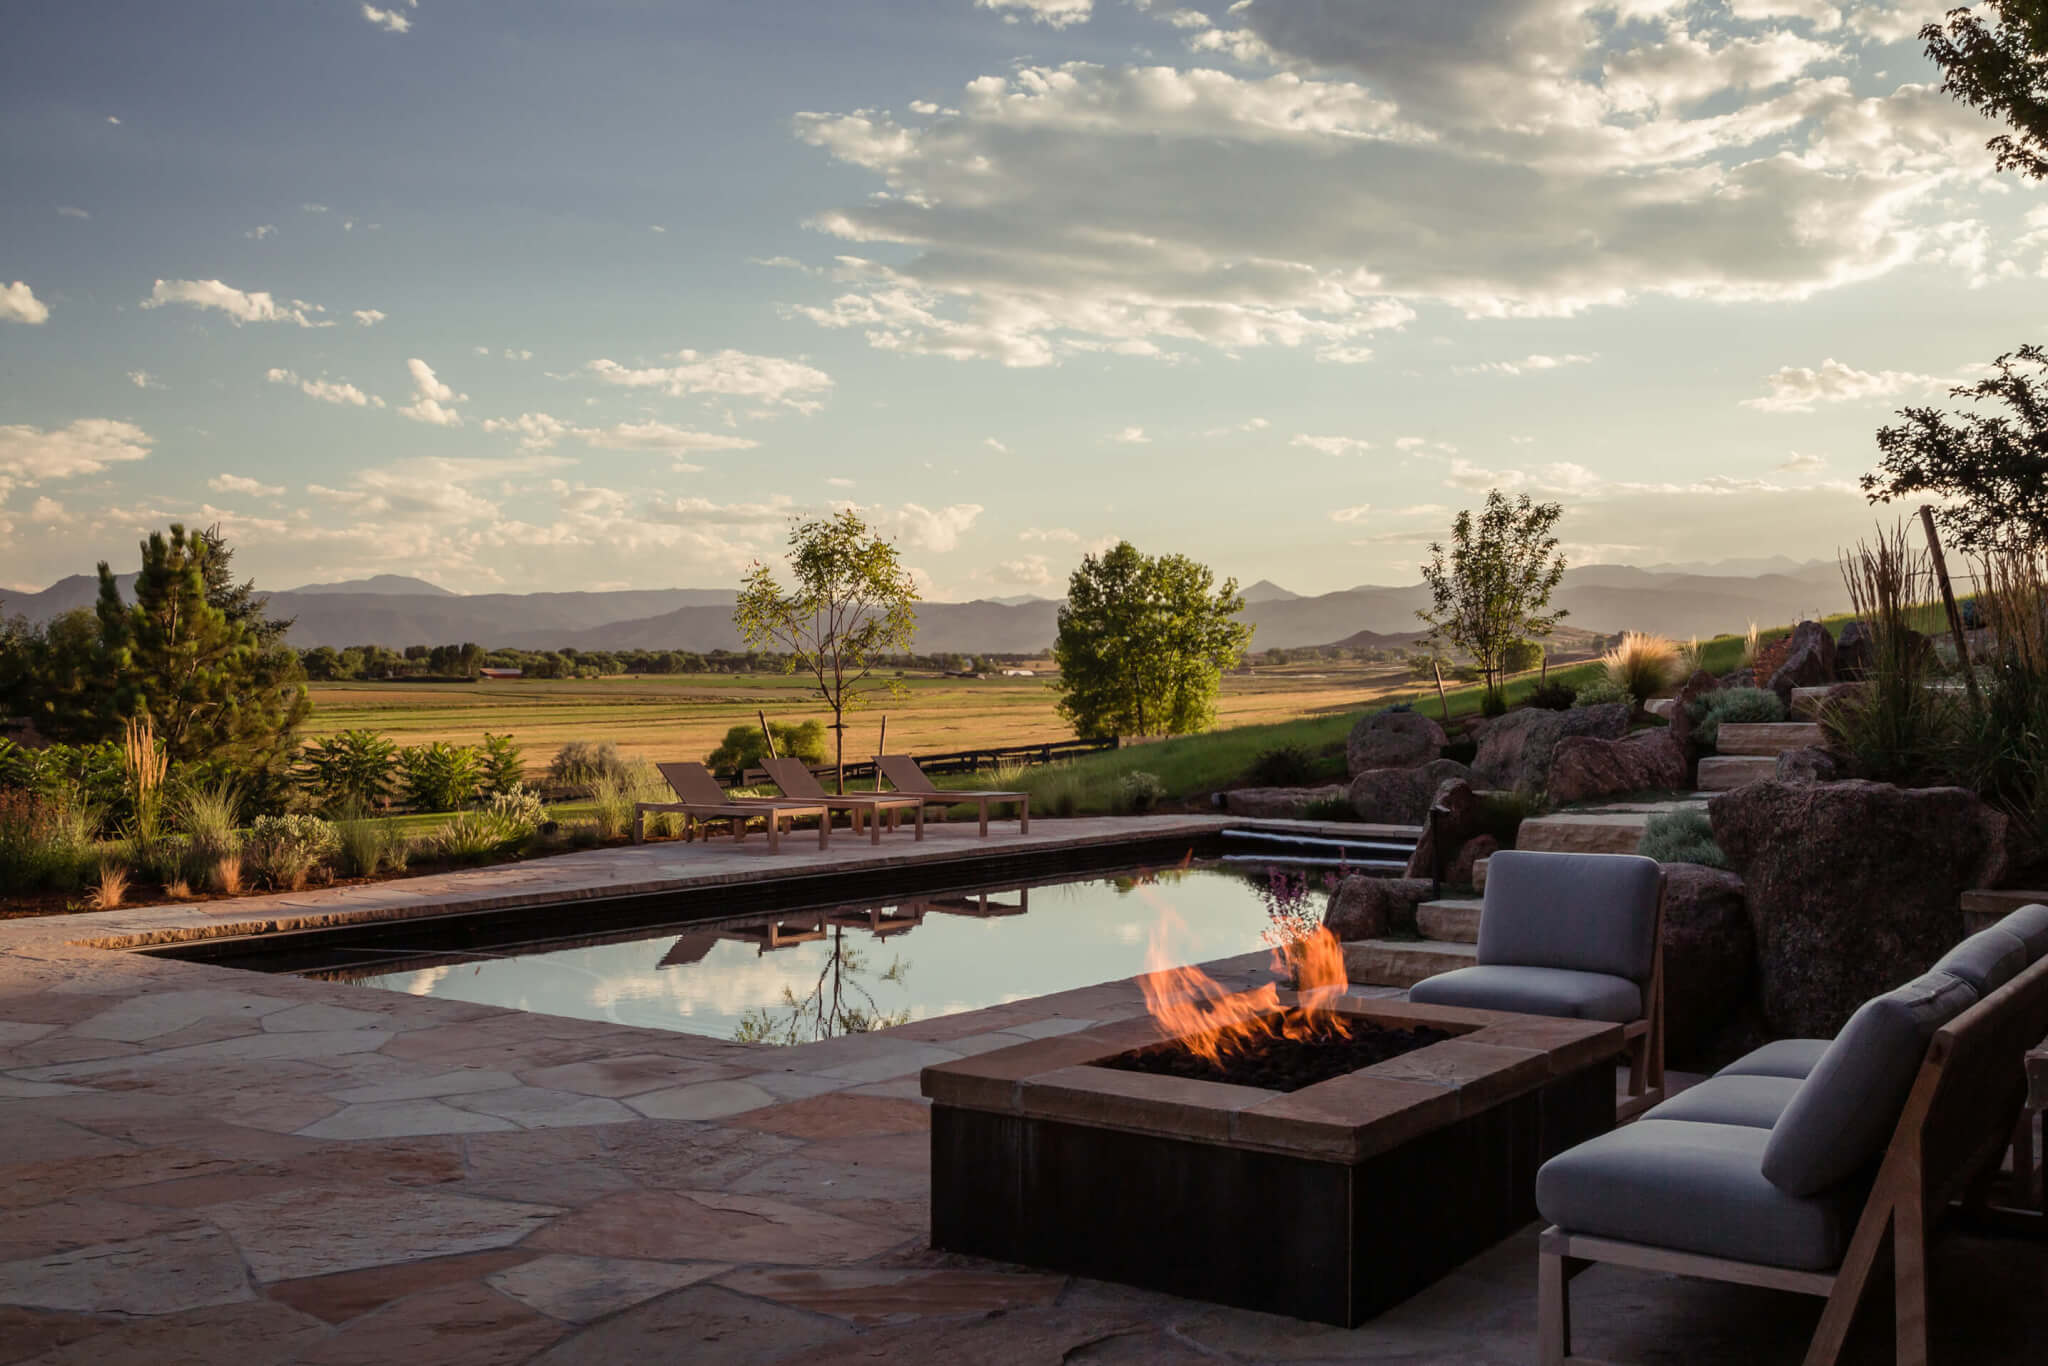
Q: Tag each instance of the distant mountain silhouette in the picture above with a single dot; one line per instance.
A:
(1600, 598)
(385, 585)
(1265, 590)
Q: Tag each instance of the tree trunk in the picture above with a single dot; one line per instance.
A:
(839, 749)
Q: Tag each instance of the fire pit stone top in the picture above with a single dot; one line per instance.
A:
(1346, 1119)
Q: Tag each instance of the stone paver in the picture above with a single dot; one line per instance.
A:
(202, 1165)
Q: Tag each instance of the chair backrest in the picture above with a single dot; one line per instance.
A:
(1584, 912)
(1978, 1081)
(794, 777)
(694, 783)
(1987, 960)
(903, 773)
(2029, 925)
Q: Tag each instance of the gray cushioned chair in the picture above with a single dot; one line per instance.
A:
(1791, 1167)
(1575, 935)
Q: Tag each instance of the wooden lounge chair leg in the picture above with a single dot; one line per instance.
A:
(1909, 1280)
(874, 827)
(982, 807)
(774, 831)
(639, 825)
(917, 820)
(1023, 815)
(1871, 1232)
(824, 829)
(1553, 1310)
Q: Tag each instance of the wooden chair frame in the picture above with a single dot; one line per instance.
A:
(1645, 1037)
(1956, 1125)
(738, 815)
(862, 810)
(897, 767)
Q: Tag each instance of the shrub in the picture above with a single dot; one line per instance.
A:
(745, 746)
(1493, 703)
(207, 815)
(1501, 815)
(1599, 693)
(1329, 809)
(44, 843)
(1141, 791)
(350, 769)
(1551, 695)
(1895, 729)
(502, 764)
(1287, 766)
(1681, 837)
(163, 858)
(612, 795)
(1642, 666)
(439, 776)
(580, 763)
(360, 843)
(109, 887)
(225, 876)
(480, 834)
(90, 775)
(520, 806)
(284, 850)
(1743, 706)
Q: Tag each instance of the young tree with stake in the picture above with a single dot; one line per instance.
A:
(852, 603)
(1488, 597)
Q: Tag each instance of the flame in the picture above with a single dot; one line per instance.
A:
(1195, 1011)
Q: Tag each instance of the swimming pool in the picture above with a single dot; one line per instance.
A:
(791, 976)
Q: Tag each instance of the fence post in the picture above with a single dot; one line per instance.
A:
(1955, 615)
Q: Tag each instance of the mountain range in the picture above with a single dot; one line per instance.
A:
(396, 611)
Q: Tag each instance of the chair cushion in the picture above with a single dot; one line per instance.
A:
(1534, 991)
(1987, 960)
(1694, 1188)
(1752, 1101)
(1794, 1058)
(2028, 924)
(1580, 912)
(1846, 1110)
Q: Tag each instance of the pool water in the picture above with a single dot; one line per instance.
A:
(809, 974)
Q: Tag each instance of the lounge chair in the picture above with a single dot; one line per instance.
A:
(798, 783)
(1574, 935)
(699, 805)
(902, 771)
(1762, 1175)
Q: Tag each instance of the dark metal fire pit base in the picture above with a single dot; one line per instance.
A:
(1315, 1236)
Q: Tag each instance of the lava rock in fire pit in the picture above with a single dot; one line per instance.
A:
(1275, 1062)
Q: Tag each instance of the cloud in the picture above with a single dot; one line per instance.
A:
(390, 20)
(1331, 445)
(327, 391)
(727, 374)
(1824, 15)
(922, 528)
(86, 446)
(261, 231)
(241, 306)
(996, 446)
(1796, 388)
(540, 431)
(513, 353)
(1526, 365)
(48, 511)
(1131, 436)
(1032, 571)
(1351, 514)
(1567, 480)
(1054, 13)
(71, 212)
(19, 304)
(313, 208)
(838, 482)
(142, 379)
(369, 317)
(431, 397)
(1799, 463)
(1058, 533)
(235, 483)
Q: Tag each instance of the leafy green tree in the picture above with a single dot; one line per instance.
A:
(2000, 69)
(745, 746)
(438, 776)
(839, 1002)
(1489, 593)
(1986, 473)
(219, 689)
(350, 770)
(501, 761)
(1143, 644)
(852, 604)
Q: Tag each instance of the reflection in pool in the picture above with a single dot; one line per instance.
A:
(802, 975)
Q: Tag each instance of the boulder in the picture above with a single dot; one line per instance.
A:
(1401, 796)
(1709, 961)
(1696, 687)
(1852, 887)
(1810, 663)
(1583, 767)
(1515, 750)
(1374, 907)
(1460, 871)
(1855, 653)
(1393, 739)
(1811, 765)
(1278, 803)
(1453, 816)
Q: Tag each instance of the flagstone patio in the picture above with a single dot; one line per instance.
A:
(204, 1165)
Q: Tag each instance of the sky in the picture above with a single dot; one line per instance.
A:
(515, 295)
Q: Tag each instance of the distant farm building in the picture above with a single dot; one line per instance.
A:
(488, 674)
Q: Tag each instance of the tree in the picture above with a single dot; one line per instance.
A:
(1491, 592)
(1143, 644)
(216, 690)
(1989, 471)
(236, 601)
(2001, 71)
(744, 746)
(852, 604)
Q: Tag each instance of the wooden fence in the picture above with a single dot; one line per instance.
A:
(958, 761)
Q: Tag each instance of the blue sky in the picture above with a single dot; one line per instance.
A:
(520, 295)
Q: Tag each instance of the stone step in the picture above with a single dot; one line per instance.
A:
(1805, 701)
(1595, 832)
(1479, 875)
(1665, 707)
(1986, 906)
(1726, 772)
(1761, 738)
(1455, 921)
(1403, 962)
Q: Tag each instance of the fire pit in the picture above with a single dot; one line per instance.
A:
(1195, 1153)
